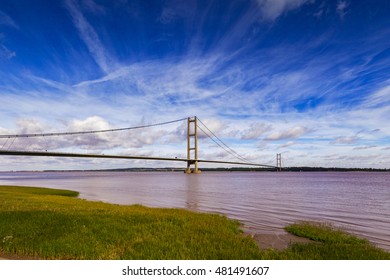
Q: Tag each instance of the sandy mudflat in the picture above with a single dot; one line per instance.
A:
(277, 241)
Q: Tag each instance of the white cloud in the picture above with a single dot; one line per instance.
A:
(255, 131)
(345, 140)
(272, 9)
(215, 125)
(293, 132)
(91, 123)
(24, 126)
(28, 126)
(364, 147)
(288, 144)
(120, 140)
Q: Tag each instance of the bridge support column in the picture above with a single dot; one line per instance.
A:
(192, 146)
(278, 162)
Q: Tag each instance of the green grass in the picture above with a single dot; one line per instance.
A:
(55, 224)
(51, 224)
(330, 243)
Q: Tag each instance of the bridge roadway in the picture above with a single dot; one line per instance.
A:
(75, 155)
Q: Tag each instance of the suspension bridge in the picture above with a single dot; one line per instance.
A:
(192, 160)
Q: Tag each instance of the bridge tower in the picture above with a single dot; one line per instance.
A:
(192, 145)
(279, 162)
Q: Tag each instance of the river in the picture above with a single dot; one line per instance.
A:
(264, 202)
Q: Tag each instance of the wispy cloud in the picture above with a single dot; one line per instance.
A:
(93, 7)
(321, 11)
(272, 9)
(5, 53)
(7, 20)
(342, 6)
(169, 81)
(345, 140)
(364, 147)
(380, 97)
(291, 133)
(255, 130)
(288, 144)
(88, 34)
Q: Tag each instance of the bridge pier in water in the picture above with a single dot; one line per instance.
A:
(192, 146)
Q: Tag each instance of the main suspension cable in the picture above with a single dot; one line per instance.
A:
(88, 132)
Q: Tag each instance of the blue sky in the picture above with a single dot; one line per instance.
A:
(305, 78)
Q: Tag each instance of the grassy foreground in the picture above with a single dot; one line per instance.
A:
(53, 224)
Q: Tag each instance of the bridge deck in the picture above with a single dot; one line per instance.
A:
(75, 155)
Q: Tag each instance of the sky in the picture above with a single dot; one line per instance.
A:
(309, 79)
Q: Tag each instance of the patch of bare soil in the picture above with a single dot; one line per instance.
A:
(278, 241)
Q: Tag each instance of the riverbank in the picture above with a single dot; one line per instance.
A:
(38, 223)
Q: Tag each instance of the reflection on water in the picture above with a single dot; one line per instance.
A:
(264, 202)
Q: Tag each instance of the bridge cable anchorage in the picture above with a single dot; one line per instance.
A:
(230, 150)
(88, 132)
